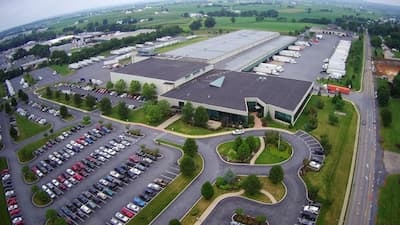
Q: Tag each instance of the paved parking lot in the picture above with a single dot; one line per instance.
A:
(166, 168)
(309, 65)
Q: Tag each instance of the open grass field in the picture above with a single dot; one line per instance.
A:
(152, 209)
(389, 202)
(5, 217)
(184, 128)
(63, 70)
(25, 154)
(331, 181)
(271, 154)
(390, 135)
(135, 116)
(28, 128)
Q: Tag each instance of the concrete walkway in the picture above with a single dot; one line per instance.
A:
(269, 195)
(215, 203)
(169, 121)
(258, 153)
(257, 121)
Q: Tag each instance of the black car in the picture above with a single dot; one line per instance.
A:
(80, 214)
(145, 197)
(71, 206)
(77, 203)
(98, 187)
(82, 198)
(150, 192)
(93, 191)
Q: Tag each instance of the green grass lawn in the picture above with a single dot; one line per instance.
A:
(389, 201)
(390, 135)
(271, 154)
(63, 70)
(5, 217)
(25, 154)
(277, 190)
(397, 54)
(152, 209)
(28, 128)
(180, 44)
(331, 181)
(184, 128)
(136, 116)
(225, 148)
(3, 90)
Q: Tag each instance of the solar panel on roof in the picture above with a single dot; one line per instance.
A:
(218, 82)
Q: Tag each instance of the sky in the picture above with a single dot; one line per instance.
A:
(18, 12)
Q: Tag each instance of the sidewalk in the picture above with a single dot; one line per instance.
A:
(260, 150)
(169, 121)
(211, 207)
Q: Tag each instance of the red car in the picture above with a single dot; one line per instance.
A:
(78, 177)
(75, 167)
(11, 201)
(4, 171)
(127, 212)
(80, 164)
(15, 212)
(134, 158)
(61, 179)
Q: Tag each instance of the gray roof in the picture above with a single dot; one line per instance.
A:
(250, 56)
(223, 44)
(280, 92)
(163, 69)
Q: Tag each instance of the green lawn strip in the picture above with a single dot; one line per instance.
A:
(25, 154)
(165, 142)
(390, 135)
(135, 116)
(39, 202)
(28, 128)
(224, 149)
(331, 181)
(180, 44)
(62, 100)
(3, 90)
(62, 69)
(397, 54)
(5, 217)
(181, 127)
(271, 154)
(161, 201)
(389, 202)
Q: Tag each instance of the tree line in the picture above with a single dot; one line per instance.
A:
(248, 13)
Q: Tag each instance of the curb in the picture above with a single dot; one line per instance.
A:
(352, 169)
(363, 64)
(59, 103)
(30, 183)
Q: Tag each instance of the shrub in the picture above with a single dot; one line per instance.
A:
(276, 174)
(187, 166)
(174, 222)
(207, 190)
(251, 184)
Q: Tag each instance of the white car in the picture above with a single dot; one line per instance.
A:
(9, 193)
(115, 174)
(44, 187)
(238, 132)
(154, 186)
(314, 165)
(86, 209)
(70, 172)
(115, 222)
(135, 171)
(6, 176)
(104, 182)
(121, 217)
(133, 207)
(126, 143)
(55, 182)
(17, 220)
(67, 183)
(51, 194)
(311, 208)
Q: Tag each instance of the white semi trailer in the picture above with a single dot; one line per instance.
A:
(285, 59)
(289, 53)
(278, 68)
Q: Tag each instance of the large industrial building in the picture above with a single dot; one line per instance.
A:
(231, 96)
(209, 74)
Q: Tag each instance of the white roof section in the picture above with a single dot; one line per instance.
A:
(223, 46)
(248, 57)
